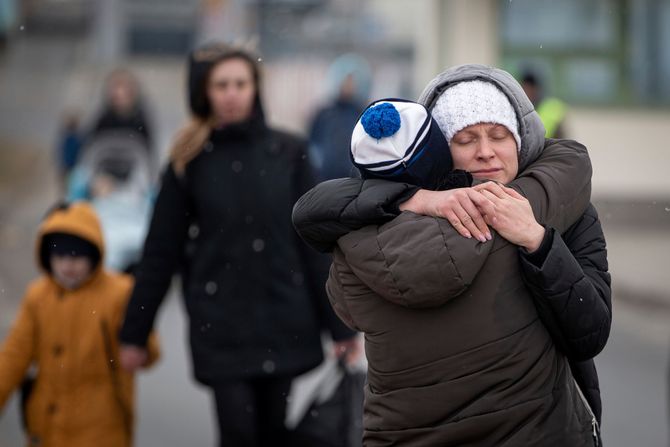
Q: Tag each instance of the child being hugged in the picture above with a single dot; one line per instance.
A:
(67, 328)
(399, 140)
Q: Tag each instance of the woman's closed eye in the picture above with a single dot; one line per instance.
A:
(499, 133)
(463, 140)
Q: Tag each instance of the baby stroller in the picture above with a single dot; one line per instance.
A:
(116, 174)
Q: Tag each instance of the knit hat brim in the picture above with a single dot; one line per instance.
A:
(474, 102)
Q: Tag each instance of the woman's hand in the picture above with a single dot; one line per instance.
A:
(514, 219)
(467, 209)
(133, 357)
(349, 350)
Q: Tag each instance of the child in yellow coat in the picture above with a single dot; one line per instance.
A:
(67, 327)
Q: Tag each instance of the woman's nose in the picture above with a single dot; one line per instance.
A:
(485, 150)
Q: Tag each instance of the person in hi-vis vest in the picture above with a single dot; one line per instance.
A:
(552, 110)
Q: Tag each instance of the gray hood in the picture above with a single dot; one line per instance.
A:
(531, 129)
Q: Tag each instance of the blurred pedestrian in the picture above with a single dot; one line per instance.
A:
(253, 292)
(123, 109)
(69, 147)
(67, 327)
(552, 110)
(349, 82)
(469, 318)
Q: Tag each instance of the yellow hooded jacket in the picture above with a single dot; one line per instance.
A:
(81, 396)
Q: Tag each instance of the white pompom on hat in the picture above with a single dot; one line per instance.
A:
(474, 102)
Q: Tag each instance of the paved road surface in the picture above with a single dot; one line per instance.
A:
(175, 412)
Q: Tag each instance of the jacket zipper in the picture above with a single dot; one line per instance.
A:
(594, 421)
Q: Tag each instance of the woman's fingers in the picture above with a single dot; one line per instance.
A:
(494, 188)
(461, 218)
(483, 186)
(490, 196)
(485, 205)
(512, 192)
(469, 223)
(465, 209)
(500, 191)
(497, 202)
(474, 221)
(454, 218)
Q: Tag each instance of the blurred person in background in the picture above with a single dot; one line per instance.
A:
(69, 147)
(349, 82)
(8, 15)
(556, 251)
(116, 169)
(123, 109)
(66, 328)
(253, 291)
(552, 110)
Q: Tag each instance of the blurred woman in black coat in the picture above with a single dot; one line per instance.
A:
(253, 291)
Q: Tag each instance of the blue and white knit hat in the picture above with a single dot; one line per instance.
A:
(474, 102)
(399, 140)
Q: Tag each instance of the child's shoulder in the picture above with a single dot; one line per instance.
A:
(38, 288)
(116, 290)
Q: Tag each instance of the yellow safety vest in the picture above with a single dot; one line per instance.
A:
(552, 112)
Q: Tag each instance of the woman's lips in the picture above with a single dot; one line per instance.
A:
(486, 171)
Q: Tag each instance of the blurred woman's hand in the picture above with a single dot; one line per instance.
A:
(514, 219)
(133, 358)
(467, 209)
(350, 350)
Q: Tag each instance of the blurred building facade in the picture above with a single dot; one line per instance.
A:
(609, 60)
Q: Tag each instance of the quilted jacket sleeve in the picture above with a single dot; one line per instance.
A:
(336, 207)
(571, 287)
(414, 261)
(557, 185)
(342, 285)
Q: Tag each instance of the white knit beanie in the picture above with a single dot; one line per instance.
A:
(474, 102)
